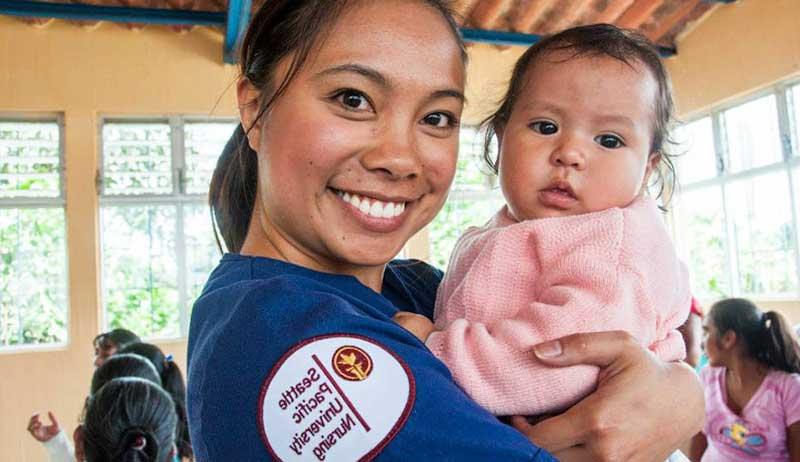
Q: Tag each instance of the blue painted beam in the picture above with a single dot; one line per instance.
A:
(496, 37)
(83, 12)
(237, 19)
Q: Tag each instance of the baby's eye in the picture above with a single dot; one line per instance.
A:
(544, 127)
(609, 141)
(440, 120)
(353, 100)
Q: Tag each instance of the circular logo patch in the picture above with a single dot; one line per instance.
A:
(352, 363)
(337, 397)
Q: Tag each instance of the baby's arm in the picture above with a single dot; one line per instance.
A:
(417, 324)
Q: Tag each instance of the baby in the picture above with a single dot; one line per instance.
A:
(579, 246)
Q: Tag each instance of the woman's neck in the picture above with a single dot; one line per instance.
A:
(264, 240)
(746, 372)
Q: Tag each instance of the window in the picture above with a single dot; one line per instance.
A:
(737, 211)
(473, 198)
(33, 268)
(157, 243)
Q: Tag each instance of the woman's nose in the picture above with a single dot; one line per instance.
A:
(395, 156)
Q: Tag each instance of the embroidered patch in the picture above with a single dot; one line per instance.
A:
(336, 397)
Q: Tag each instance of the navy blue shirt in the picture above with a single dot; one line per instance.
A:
(255, 312)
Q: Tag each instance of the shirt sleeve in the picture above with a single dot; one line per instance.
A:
(235, 357)
(59, 448)
(791, 398)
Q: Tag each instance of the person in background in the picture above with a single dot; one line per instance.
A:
(692, 332)
(128, 420)
(173, 383)
(50, 434)
(108, 343)
(752, 386)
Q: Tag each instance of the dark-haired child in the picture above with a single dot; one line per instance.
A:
(752, 386)
(579, 247)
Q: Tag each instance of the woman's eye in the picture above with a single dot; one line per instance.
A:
(544, 127)
(353, 100)
(609, 141)
(439, 120)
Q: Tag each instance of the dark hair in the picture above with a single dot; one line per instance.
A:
(172, 382)
(279, 29)
(595, 40)
(124, 365)
(766, 336)
(119, 338)
(129, 420)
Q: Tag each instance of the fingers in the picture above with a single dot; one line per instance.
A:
(597, 348)
(53, 419)
(550, 434)
(34, 422)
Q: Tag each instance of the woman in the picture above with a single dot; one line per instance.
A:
(351, 113)
(752, 386)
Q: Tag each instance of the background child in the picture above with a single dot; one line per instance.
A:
(578, 247)
(752, 386)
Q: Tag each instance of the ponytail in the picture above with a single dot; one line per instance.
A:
(129, 420)
(766, 336)
(232, 194)
(172, 382)
(781, 350)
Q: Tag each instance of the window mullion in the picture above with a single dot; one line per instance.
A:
(179, 189)
(785, 127)
(718, 126)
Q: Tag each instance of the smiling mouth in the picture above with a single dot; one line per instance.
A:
(371, 206)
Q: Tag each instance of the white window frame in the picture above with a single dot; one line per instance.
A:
(44, 202)
(178, 196)
(790, 148)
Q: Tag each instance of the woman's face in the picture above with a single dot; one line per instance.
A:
(712, 344)
(359, 152)
(103, 351)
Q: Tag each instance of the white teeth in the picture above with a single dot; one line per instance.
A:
(364, 207)
(373, 207)
(388, 210)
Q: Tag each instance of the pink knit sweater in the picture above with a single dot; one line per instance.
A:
(512, 285)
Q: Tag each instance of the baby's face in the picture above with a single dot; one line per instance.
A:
(578, 139)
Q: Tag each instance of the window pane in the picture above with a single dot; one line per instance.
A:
(33, 276)
(204, 143)
(701, 224)
(471, 170)
(764, 235)
(794, 115)
(752, 134)
(696, 159)
(29, 159)
(137, 159)
(202, 254)
(452, 221)
(139, 269)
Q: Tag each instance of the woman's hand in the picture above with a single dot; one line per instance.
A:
(415, 323)
(41, 432)
(642, 410)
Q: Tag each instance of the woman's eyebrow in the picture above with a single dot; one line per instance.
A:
(367, 72)
(449, 93)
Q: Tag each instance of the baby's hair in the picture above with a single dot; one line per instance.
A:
(129, 420)
(596, 40)
(766, 337)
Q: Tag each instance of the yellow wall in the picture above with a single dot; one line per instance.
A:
(81, 73)
(737, 49)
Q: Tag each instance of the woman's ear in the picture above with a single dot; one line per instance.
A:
(652, 165)
(77, 438)
(728, 340)
(249, 107)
